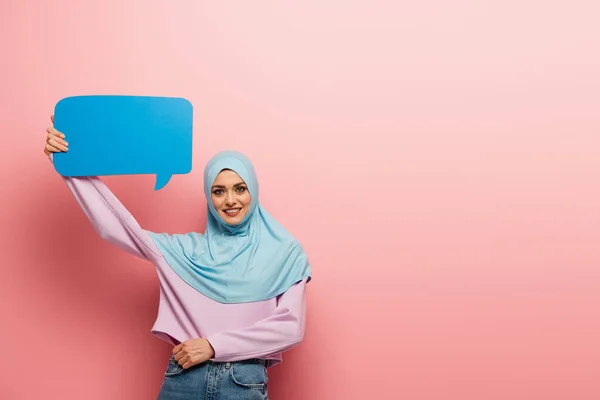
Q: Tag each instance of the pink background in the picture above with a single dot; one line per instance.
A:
(439, 161)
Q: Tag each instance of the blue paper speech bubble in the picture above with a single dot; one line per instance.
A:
(120, 135)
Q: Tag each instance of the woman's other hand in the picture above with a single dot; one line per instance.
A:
(54, 140)
(193, 352)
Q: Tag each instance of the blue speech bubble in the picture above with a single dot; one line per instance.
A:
(120, 135)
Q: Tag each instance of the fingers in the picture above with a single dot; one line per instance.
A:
(58, 145)
(184, 360)
(187, 365)
(51, 149)
(54, 132)
(177, 348)
(55, 140)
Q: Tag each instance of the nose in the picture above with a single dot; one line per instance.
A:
(229, 200)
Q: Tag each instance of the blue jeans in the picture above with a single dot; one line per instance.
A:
(241, 380)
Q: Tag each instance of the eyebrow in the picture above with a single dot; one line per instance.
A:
(223, 187)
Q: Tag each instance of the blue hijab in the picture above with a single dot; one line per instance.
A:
(252, 261)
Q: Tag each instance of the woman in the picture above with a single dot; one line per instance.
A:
(231, 299)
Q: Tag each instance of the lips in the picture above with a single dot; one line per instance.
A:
(232, 212)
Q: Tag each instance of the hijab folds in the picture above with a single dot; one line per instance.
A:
(252, 261)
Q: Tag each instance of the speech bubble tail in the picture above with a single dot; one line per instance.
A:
(161, 181)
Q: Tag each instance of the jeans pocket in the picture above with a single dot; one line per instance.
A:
(173, 368)
(250, 376)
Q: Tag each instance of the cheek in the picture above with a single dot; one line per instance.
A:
(216, 202)
(246, 199)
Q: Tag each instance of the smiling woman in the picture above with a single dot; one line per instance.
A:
(230, 196)
(232, 298)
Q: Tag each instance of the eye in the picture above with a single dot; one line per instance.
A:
(218, 192)
(241, 189)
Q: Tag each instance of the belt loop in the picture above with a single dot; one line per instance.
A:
(227, 365)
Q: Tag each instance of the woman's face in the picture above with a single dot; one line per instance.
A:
(231, 197)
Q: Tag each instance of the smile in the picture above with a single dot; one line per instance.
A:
(232, 212)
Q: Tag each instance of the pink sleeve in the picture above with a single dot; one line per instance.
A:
(275, 334)
(110, 219)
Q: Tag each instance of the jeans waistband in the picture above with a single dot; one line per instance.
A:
(252, 361)
(264, 363)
